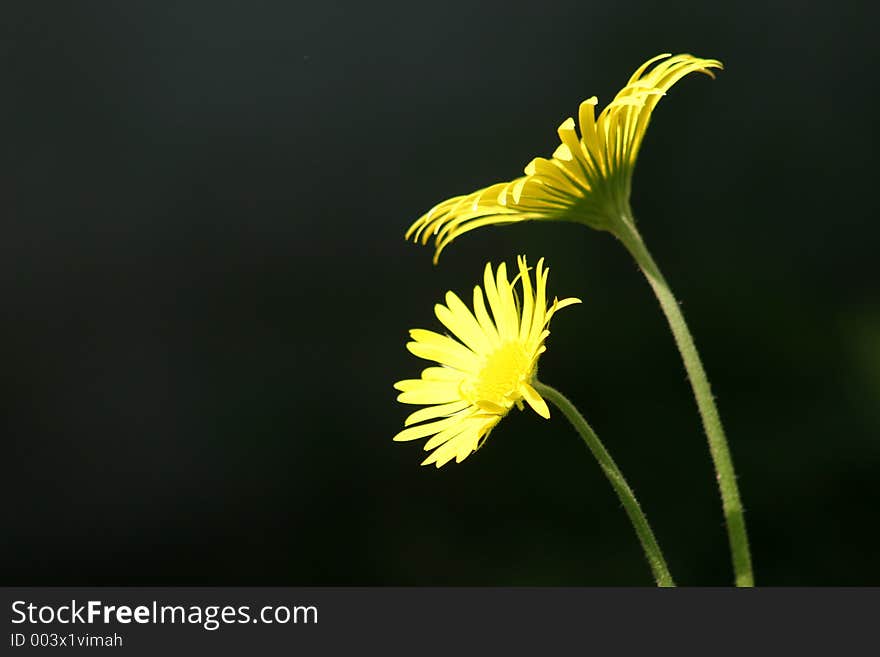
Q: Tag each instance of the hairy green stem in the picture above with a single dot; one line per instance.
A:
(618, 483)
(730, 499)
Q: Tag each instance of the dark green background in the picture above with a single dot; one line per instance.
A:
(206, 292)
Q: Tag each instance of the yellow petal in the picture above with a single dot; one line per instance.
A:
(431, 412)
(482, 315)
(445, 352)
(458, 318)
(535, 400)
(432, 392)
(442, 374)
(448, 451)
(429, 429)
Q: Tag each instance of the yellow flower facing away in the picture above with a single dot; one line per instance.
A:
(587, 179)
(487, 370)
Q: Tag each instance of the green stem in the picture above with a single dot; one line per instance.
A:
(730, 500)
(624, 492)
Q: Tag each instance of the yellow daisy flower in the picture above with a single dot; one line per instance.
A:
(486, 371)
(588, 177)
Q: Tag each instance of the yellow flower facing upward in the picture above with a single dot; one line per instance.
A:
(588, 177)
(487, 370)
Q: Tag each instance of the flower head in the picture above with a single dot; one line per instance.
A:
(588, 177)
(486, 371)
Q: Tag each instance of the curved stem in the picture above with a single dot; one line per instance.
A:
(730, 500)
(618, 483)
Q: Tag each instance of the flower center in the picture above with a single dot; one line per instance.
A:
(499, 381)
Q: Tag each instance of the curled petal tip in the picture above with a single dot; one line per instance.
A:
(566, 125)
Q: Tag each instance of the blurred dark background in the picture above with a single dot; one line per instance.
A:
(206, 292)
